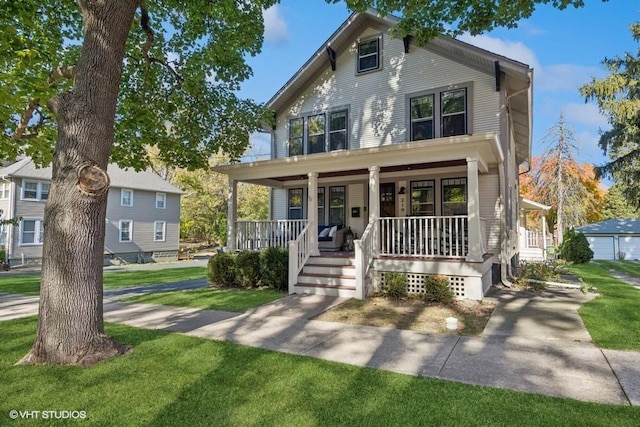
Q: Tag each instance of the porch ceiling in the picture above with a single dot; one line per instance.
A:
(434, 153)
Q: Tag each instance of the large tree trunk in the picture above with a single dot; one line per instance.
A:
(70, 323)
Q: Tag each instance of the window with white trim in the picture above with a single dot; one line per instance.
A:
(125, 230)
(126, 197)
(35, 190)
(454, 196)
(5, 189)
(31, 231)
(368, 55)
(161, 200)
(439, 114)
(159, 230)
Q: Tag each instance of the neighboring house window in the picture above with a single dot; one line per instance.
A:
(453, 104)
(338, 130)
(321, 206)
(295, 203)
(161, 201)
(336, 205)
(296, 136)
(159, 229)
(315, 134)
(423, 198)
(5, 188)
(31, 231)
(35, 190)
(422, 117)
(438, 114)
(369, 55)
(126, 197)
(126, 230)
(454, 196)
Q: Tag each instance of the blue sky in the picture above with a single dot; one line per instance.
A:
(565, 49)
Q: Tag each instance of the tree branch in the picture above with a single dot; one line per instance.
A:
(62, 72)
(144, 24)
(27, 115)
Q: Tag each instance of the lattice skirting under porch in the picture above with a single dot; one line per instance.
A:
(415, 283)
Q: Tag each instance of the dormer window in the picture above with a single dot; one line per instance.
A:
(368, 55)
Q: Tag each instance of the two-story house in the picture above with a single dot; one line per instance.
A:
(414, 148)
(143, 215)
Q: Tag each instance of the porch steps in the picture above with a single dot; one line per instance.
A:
(332, 275)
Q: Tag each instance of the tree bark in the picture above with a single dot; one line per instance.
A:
(70, 321)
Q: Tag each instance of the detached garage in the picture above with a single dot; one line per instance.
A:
(614, 239)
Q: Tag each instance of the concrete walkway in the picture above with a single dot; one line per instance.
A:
(535, 344)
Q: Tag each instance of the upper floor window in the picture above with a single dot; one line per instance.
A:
(338, 130)
(316, 134)
(454, 112)
(126, 197)
(319, 137)
(295, 203)
(369, 55)
(438, 114)
(423, 198)
(454, 196)
(161, 200)
(5, 188)
(31, 231)
(35, 190)
(296, 136)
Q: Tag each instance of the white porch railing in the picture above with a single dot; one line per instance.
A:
(432, 236)
(299, 253)
(364, 252)
(257, 235)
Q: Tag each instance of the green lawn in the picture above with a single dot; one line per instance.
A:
(613, 318)
(172, 379)
(223, 299)
(30, 284)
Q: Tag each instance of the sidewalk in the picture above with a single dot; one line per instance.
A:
(517, 351)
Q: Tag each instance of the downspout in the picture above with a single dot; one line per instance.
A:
(504, 264)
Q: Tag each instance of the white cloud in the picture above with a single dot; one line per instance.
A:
(565, 76)
(511, 49)
(586, 114)
(275, 27)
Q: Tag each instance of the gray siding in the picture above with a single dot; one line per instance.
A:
(377, 100)
(490, 209)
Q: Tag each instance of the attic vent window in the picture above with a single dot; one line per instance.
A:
(369, 55)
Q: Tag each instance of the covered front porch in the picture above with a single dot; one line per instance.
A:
(415, 207)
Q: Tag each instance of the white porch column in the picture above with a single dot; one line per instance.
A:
(312, 212)
(544, 235)
(473, 208)
(374, 206)
(232, 213)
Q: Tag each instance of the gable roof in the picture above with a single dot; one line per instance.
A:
(519, 76)
(612, 226)
(120, 178)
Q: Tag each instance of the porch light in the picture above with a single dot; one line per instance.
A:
(402, 191)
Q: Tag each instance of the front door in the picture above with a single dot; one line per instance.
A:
(387, 199)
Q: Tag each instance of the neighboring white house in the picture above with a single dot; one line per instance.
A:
(535, 242)
(414, 148)
(143, 214)
(613, 239)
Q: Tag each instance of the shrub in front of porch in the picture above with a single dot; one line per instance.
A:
(394, 285)
(436, 289)
(274, 268)
(222, 270)
(248, 269)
